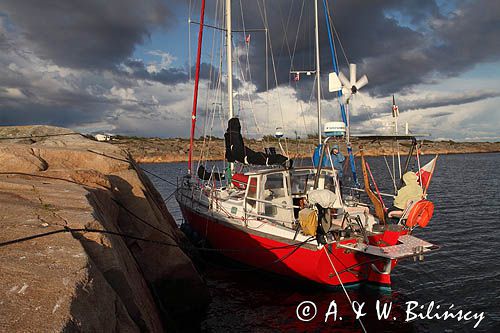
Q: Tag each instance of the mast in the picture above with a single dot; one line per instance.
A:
(196, 82)
(229, 59)
(318, 82)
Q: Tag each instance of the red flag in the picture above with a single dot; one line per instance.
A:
(395, 109)
(296, 77)
(425, 173)
(247, 39)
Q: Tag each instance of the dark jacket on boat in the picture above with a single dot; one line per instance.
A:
(237, 151)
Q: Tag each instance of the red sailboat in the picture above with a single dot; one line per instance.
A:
(297, 221)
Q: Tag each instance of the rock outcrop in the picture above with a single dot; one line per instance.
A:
(80, 280)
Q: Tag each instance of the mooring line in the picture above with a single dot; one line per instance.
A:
(343, 287)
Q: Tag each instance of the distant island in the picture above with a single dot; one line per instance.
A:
(158, 150)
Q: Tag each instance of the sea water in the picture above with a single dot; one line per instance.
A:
(462, 278)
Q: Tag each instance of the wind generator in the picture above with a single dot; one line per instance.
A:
(350, 88)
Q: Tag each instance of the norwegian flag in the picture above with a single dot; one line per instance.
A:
(395, 109)
(425, 173)
(296, 77)
(247, 39)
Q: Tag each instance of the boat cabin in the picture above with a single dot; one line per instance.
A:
(278, 195)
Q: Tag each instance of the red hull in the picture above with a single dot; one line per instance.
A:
(305, 262)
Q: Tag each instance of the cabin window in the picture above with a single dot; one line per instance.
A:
(275, 192)
(252, 191)
(301, 182)
(274, 186)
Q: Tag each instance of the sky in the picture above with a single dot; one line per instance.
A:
(125, 66)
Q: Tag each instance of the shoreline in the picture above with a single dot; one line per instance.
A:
(170, 159)
(155, 150)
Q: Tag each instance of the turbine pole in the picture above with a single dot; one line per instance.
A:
(318, 82)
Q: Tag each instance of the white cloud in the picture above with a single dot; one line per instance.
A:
(166, 60)
(125, 95)
(478, 119)
(12, 93)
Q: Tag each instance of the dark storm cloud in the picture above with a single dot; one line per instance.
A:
(364, 113)
(63, 109)
(363, 116)
(91, 38)
(447, 100)
(397, 43)
(136, 68)
(441, 114)
(70, 108)
(468, 37)
(446, 47)
(454, 44)
(28, 95)
(364, 29)
(4, 44)
(89, 33)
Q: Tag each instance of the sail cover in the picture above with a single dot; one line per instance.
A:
(236, 150)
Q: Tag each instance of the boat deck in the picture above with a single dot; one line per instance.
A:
(410, 246)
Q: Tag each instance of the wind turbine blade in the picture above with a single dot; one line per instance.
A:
(352, 74)
(334, 83)
(363, 81)
(345, 82)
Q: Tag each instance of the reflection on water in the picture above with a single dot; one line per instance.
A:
(465, 272)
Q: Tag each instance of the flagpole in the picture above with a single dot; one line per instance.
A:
(395, 115)
(195, 93)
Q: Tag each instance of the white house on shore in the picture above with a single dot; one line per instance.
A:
(102, 137)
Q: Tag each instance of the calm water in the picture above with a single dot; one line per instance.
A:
(465, 272)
